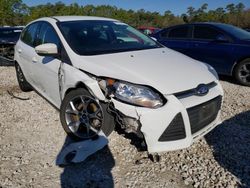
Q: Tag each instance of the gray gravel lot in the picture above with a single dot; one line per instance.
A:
(31, 138)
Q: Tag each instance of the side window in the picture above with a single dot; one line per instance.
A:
(179, 32)
(47, 35)
(205, 33)
(164, 34)
(29, 34)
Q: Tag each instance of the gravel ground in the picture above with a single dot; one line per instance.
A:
(31, 138)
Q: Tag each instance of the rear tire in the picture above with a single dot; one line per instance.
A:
(242, 72)
(23, 84)
(82, 117)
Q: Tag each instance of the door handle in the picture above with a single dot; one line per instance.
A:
(34, 60)
(196, 45)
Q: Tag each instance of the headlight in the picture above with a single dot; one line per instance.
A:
(135, 94)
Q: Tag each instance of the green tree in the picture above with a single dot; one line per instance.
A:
(14, 12)
(9, 11)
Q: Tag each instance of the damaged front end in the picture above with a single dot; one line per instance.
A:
(162, 123)
(124, 99)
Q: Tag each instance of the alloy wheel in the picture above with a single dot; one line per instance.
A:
(84, 117)
(244, 72)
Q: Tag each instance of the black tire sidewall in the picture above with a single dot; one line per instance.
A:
(24, 85)
(108, 120)
(236, 72)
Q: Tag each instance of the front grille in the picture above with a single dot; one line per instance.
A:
(193, 91)
(175, 130)
(202, 115)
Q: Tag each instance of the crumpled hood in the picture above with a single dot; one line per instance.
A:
(166, 70)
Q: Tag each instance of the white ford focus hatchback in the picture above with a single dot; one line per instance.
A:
(101, 72)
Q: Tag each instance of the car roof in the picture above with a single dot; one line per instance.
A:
(210, 23)
(77, 18)
(146, 27)
(200, 23)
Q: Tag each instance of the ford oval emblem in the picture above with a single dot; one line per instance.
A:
(202, 90)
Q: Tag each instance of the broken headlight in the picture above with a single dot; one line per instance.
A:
(134, 94)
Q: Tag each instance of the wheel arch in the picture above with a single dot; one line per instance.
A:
(73, 78)
(78, 85)
(16, 63)
(81, 84)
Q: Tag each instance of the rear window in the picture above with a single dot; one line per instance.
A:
(179, 32)
(13, 33)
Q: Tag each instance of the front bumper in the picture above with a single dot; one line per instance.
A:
(156, 121)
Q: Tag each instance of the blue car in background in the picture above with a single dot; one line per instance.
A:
(225, 47)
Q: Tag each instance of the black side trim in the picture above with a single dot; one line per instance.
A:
(55, 18)
(64, 56)
(175, 130)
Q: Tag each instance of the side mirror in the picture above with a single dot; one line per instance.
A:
(222, 38)
(48, 49)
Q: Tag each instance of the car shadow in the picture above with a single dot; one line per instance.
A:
(229, 79)
(94, 171)
(231, 146)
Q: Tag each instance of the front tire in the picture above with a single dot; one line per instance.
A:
(23, 84)
(83, 117)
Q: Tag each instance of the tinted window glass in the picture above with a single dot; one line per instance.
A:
(164, 34)
(29, 34)
(179, 32)
(10, 33)
(47, 35)
(235, 31)
(204, 32)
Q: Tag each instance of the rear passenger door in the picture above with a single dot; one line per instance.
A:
(177, 38)
(208, 49)
(26, 52)
(46, 67)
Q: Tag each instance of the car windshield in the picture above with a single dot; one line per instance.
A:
(10, 33)
(236, 31)
(103, 37)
